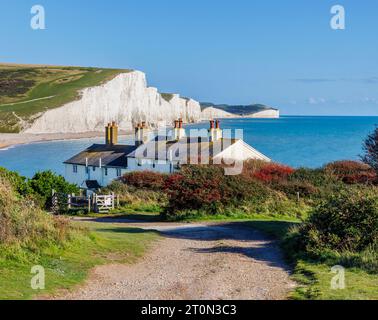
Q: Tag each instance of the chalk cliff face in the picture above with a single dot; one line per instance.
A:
(264, 114)
(126, 99)
(211, 113)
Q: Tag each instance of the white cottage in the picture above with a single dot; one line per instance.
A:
(100, 164)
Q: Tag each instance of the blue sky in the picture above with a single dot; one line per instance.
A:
(280, 53)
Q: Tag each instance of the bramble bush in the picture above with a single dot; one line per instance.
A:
(273, 172)
(317, 177)
(24, 224)
(207, 189)
(343, 222)
(145, 180)
(352, 172)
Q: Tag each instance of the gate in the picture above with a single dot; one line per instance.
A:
(104, 203)
(61, 203)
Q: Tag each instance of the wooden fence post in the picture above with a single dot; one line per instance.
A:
(89, 204)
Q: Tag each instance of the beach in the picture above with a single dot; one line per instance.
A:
(11, 139)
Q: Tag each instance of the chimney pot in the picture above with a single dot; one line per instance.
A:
(113, 130)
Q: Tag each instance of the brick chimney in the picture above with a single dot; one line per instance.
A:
(215, 132)
(111, 134)
(178, 131)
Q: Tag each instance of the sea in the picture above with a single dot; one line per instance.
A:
(297, 141)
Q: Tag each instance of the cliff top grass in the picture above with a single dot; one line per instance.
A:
(242, 110)
(26, 91)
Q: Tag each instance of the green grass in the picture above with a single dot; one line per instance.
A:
(69, 266)
(167, 96)
(56, 86)
(315, 283)
(127, 215)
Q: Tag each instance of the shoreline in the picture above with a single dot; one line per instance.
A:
(8, 140)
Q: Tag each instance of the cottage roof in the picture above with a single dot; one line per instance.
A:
(108, 155)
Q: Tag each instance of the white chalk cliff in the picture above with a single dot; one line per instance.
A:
(211, 113)
(270, 113)
(126, 99)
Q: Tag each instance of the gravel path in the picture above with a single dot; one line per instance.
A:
(195, 261)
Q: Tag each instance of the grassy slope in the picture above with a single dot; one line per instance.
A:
(237, 109)
(68, 267)
(55, 86)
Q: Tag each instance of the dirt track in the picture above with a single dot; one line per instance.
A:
(197, 261)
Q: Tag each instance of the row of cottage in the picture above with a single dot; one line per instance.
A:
(100, 164)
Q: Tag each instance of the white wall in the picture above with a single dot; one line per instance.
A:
(149, 165)
(99, 174)
(75, 178)
(240, 151)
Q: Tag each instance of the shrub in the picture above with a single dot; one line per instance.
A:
(206, 188)
(19, 183)
(273, 172)
(145, 179)
(43, 183)
(131, 195)
(26, 225)
(347, 221)
(352, 172)
(250, 167)
(292, 188)
(316, 177)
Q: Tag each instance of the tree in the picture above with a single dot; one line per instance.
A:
(44, 182)
(371, 150)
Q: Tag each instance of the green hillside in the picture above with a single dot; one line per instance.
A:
(237, 109)
(26, 90)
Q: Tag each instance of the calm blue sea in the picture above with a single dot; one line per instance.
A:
(293, 140)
